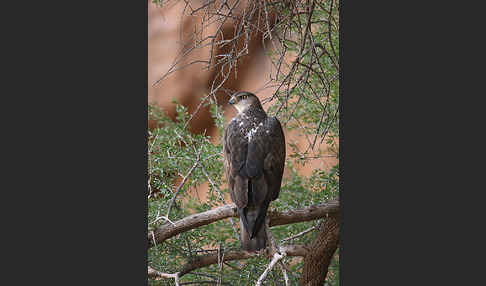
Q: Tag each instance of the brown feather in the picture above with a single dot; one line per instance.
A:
(254, 153)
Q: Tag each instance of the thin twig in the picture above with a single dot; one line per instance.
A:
(221, 197)
(276, 258)
(298, 234)
(162, 217)
(183, 182)
(284, 272)
(157, 274)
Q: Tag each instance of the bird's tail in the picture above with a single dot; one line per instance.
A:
(252, 239)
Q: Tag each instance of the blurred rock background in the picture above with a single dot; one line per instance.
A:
(188, 85)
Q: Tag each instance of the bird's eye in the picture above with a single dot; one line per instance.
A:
(243, 96)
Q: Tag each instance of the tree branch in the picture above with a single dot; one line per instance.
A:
(276, 258)
(316, 262)
(312, 212)
(284, 272)
(299, 234)
(152, 273)
(193, 221)
(169, 230)
(209, 259)
(183, 182)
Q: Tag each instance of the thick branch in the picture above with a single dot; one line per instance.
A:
(193, 221)
(169, 230)
(206, 260)
(304, 214)
(316, 263)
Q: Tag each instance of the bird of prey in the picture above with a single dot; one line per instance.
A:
(254, 157)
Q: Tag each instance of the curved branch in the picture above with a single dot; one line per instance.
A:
(193, 221)
(168, 230)
(209, 259)
(316, 262)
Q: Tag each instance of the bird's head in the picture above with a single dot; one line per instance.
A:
(243, 100)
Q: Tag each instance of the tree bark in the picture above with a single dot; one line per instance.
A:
(206, 260)
(322, 248)
(169, 230)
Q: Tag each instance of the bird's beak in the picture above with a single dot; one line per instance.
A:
(232, 100)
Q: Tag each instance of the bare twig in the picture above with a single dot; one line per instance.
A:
(157, 274)
(276, 258)
(221, 197)
(284, 272)
(203, 282)
(299, 234)
(198, 158)
(162, 217)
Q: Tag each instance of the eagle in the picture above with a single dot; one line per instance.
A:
(254, 159)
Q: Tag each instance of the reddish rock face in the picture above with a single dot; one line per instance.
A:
(188, 85)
